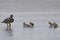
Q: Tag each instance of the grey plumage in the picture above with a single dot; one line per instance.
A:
(10, 20)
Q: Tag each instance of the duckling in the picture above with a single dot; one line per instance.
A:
(8, 21)
(31, 23)
(27, 25)
(55, 25)
(51, 24)
(24, 24)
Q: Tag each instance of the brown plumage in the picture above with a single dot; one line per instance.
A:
(8, 21)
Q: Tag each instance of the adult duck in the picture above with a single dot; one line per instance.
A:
(8, 21)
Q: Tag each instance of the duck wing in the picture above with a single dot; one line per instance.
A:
(6, 20)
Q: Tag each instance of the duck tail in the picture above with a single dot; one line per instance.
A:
(2, 22)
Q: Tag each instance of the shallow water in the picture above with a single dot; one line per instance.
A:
(40, 31)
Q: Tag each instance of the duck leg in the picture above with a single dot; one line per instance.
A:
(9, 26)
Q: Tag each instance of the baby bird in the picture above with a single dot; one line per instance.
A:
(8, 21)
(31, 23)
(51, 24)
(28, 25)
(54, 25)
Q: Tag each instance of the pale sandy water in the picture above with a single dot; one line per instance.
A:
(40, 31)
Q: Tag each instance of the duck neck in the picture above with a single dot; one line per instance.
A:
(11, 17)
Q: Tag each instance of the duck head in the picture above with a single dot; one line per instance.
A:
(11, 16)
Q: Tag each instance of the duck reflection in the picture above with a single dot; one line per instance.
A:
(9, 32)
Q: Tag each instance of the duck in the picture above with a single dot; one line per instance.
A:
(8, 21)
